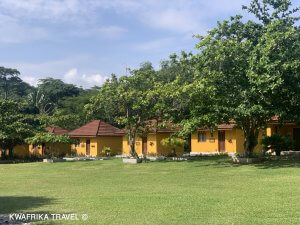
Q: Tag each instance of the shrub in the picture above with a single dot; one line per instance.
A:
(73, 153)
(106, 151)
(173, 142)
(53, 153)
(277, 143)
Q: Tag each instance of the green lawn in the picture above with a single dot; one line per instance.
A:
(208, 191)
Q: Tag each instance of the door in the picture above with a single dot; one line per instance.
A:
(88, 147)
(144, 146)
(296, 135)
(221, 141)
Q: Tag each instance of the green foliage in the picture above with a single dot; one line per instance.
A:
(247, 72)
(169, 90)
(173, 142)
(45, 137)
(71, 113)
(48, 93)
(55, 89)
(106, 151)
(277, 143)
(126, 101)
(15, 125)
(11, 86)
(73, 153)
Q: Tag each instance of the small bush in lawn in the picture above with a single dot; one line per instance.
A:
(277, 143)
(106, 151)
(74, 152)
(173, 142)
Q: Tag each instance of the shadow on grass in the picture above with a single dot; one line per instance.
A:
(213, 161)
(15, 204)
(226, 162)
(277, 164)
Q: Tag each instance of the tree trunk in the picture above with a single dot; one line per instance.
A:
(43, 150)
(10, 153)
(5, 88)
(3, 153)
(251, 136)
(131, 139)
(188, 145)
(174, 152)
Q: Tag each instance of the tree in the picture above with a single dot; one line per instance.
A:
(11, 86)
(126, 101)
(248, 72)
(39, 103)
(49, 92)
(15, 125)
(175, 74)
(71, 113)
(41, 138)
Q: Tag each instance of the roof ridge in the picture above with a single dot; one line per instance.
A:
(98, 127)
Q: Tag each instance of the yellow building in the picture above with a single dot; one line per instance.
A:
(229, 139)
(46, 149)
(19, 151)
(58, 149)
(96, 135)
(151, 143)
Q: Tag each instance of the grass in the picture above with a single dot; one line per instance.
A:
(207, 191)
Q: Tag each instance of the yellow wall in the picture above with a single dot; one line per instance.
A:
(114, 143)
(35, 150)
(97, 145)
(154, 146)
(59, 149)
(234, 142)
(21, 151)
(230, 140)
(81, 147)
(126, 147)
(211, 144)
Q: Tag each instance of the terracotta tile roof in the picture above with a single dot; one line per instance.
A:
(96, 128)
(229, 126)
(275, 120)
(156, 126)
(56, 130)
(226, 126)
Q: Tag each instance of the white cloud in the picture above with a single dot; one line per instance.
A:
(183, 16)
(101, 32)
(84, 80)
(31, 72)
(30, 20)
(172, 19)
(13, 32)
(30, 80)
(154, 45)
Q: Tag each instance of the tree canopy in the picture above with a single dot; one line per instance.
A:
(15, 125)
(126, 101)
(248, 71)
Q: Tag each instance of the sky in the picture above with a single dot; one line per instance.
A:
(84, 41)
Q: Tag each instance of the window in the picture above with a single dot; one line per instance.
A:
(201, 136)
